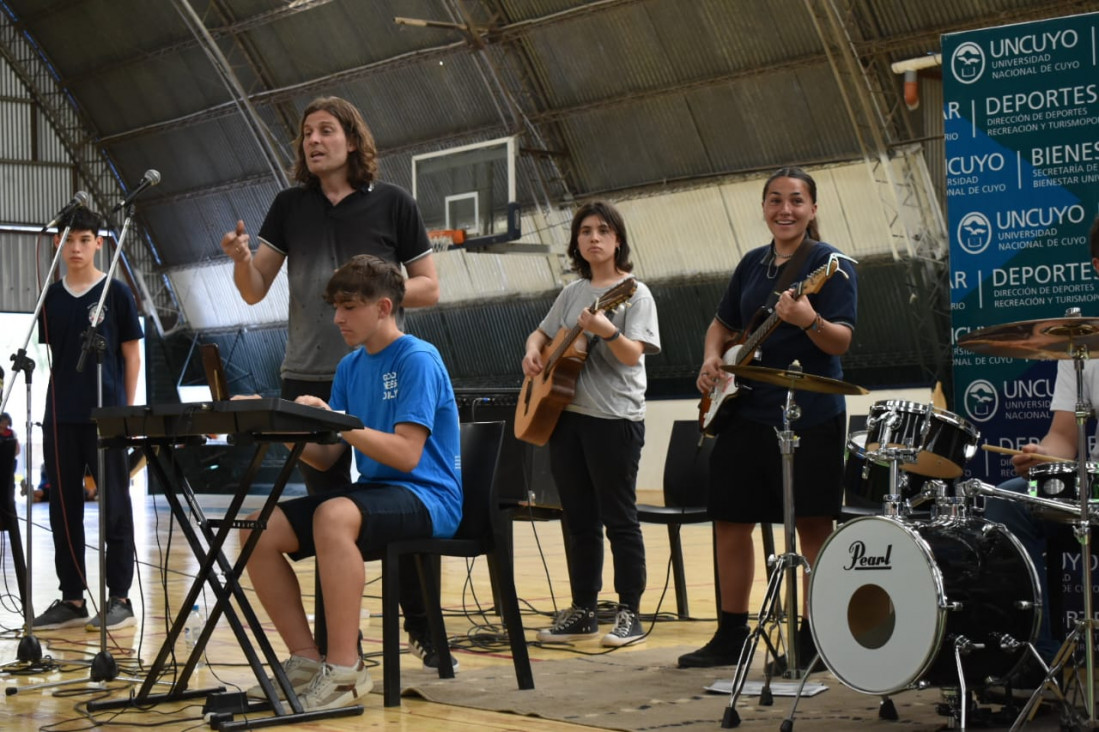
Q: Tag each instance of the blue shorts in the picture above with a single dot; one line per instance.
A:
(389, 513)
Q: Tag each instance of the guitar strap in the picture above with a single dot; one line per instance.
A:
(789, 271)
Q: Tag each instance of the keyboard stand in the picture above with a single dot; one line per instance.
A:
(206, 538)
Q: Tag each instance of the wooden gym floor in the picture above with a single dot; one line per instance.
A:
(164, 576)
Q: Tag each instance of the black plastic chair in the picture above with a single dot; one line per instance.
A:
(686, 491)
(482, 532)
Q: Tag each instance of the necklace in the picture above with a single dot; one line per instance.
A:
(782, 256)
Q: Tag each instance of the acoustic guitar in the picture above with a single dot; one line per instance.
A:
(715, 408)
(544, 396)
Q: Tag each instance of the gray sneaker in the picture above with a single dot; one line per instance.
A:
(337, 687)
(299, 670)
(61, 614)
(120, 614)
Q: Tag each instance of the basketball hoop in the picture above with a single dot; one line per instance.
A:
(446, 239)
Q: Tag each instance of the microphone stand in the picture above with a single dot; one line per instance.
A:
(103, 665)
(29, 651)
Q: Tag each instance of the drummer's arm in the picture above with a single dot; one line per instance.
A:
(1060, 441)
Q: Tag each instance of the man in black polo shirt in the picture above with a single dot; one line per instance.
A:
(338, 210)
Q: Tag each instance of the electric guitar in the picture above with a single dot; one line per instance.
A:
(714, 409)
(543, 397)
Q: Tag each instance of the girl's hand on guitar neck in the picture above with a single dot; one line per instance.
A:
(796, 311)
(596, 323)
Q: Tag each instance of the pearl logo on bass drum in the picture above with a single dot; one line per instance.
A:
(860, 560)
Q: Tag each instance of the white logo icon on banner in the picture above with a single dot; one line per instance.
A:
(981, 401)
(974, 232)
(968, 62)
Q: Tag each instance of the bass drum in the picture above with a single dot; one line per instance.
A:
(888, 598)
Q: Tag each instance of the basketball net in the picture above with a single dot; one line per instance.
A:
(445, 239)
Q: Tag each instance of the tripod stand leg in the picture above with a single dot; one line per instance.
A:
(768, 614)
(788, 723)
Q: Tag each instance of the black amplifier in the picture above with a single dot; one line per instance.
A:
(524, 473)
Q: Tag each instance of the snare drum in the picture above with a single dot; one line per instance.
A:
(1059, 481)
(942, 440)
(866, 480)
(888, 598)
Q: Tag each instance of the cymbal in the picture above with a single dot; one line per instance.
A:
(798, 380)
(1054, 338)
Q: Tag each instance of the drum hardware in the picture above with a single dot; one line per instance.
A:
(1072, 337)
(875, 628)
(783, 567)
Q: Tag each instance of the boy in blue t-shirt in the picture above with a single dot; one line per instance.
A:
(69, 439)
(408, 457)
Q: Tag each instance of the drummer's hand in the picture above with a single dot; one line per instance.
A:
(797, 312)
(1023, 463)
(710, 375)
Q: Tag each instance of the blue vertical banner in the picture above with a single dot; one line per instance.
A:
(1021, 119)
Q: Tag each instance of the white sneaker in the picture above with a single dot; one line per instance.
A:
(298, 669)
(627, 630)
(337, 686)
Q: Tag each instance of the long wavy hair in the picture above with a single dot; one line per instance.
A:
(362, 162)
(610, 214)
(793, 172)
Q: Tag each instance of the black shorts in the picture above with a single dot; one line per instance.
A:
(746, 472)
(390, 513)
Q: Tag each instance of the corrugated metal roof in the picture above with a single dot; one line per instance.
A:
(673, 109)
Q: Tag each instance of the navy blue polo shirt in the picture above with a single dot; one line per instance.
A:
(749, 288)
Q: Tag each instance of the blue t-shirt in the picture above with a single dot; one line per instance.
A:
(407, 382)
(63, 320)
(751, 285)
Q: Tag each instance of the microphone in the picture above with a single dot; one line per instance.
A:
(78, 200)
(151, 178)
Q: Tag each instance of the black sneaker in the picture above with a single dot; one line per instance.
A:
(627, 630)
(807, 651)
(61, 614)
(722, 650)
(422, 647)
(120, 614)
(576, 623)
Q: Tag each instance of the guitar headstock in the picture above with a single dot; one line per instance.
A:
(816, 279)
(616, 296)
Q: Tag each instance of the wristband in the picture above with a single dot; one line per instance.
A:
(617, 333)
(815, 325)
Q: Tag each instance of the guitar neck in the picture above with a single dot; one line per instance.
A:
(766, 328)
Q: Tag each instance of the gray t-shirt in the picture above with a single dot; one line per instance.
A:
(607, 387)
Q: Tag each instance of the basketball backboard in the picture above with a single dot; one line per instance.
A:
(470, 188)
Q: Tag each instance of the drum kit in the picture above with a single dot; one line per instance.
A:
(899, 600)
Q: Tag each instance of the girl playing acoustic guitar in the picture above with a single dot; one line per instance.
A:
(596, 444)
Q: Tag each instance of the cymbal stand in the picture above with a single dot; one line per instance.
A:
(783, 568)
(1085, 626)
